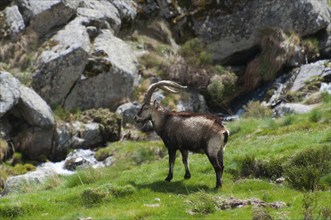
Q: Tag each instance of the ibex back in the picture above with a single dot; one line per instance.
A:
(185, 131)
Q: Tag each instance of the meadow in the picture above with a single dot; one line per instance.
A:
(259, 152)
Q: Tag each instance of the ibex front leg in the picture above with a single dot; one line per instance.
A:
(172, 157)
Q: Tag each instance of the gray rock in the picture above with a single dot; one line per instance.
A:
(14, 22)
(34, 109)
(100, 13)
(126, 8)
(42, 16)
(111, 75)
(290, 108)
(308, 71)
(193, 102)
(35, 143)
(325, 43)
(81, 159)
(61, 63)
(9, 92)
(238, 31)
(128, 111)
(14, 184)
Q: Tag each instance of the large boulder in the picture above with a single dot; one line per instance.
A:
(238, 31)
(42, 16)
(9, 92)
(110, 75)
(25, 118)
(127, 9)
(62, 62)
(33, 109)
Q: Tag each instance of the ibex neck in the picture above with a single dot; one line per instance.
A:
(158, 119)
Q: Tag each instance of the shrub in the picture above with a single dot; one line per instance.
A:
(221, 87)
(256, 110)
(251, 167)
(92, 196)
(11, 211)
(201, 203)
(260, 214)
(3, 149)
(194, 52)
(85, 176)
(121, 191)
(307, 167)
(315, 116)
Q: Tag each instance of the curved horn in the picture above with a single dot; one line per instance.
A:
(165, 85)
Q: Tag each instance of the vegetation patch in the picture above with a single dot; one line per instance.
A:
(255, 109)
(305, 169)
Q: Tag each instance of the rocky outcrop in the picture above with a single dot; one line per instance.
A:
(109, 78)
(238, 31)
(61, 63)
(307, 72)
(30, 118)
(42, 16)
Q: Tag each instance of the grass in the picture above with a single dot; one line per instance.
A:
(133, 188)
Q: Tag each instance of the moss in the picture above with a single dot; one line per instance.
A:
(110, 123)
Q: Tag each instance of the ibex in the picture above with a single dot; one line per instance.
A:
(185, 131)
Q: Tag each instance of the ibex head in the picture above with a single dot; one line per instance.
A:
(145, 113)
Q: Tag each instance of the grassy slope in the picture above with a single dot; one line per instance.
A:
(138, 175)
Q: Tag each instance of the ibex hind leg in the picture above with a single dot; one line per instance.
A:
(215, 156)
(185, 162)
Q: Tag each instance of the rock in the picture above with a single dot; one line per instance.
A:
(35, 143)
(325, 43)
(110, 76)
(326, 87)
(193, 102)
(33, 109)
(14, 184)
(238, 31)
(289, 108)
(90, 133)
(81, 159)
(308, 71)
(61, 63)
(126, 8)
(42, 16)
(128, 111)
(9, 92)
(100, 13)
(13, 22)
(280, 180)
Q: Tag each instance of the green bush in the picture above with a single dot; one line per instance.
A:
(307, 167)
(194, 52)
(315, 116)
(201, 203)
(251, 167)
(121, 191)
(221, 87)
(254, 109)
(91, 196)
(85, 176)
(12, 211)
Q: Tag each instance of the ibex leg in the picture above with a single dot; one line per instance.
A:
(185, 162)
(172, 157)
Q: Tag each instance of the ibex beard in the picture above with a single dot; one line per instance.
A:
(186, 131)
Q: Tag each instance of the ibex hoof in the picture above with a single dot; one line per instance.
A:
(168, 179)
(187, 176)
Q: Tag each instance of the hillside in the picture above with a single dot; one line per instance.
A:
(133, 187)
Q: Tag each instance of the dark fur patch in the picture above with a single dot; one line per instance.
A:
(226, 137)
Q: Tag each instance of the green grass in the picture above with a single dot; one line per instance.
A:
(133, 188)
